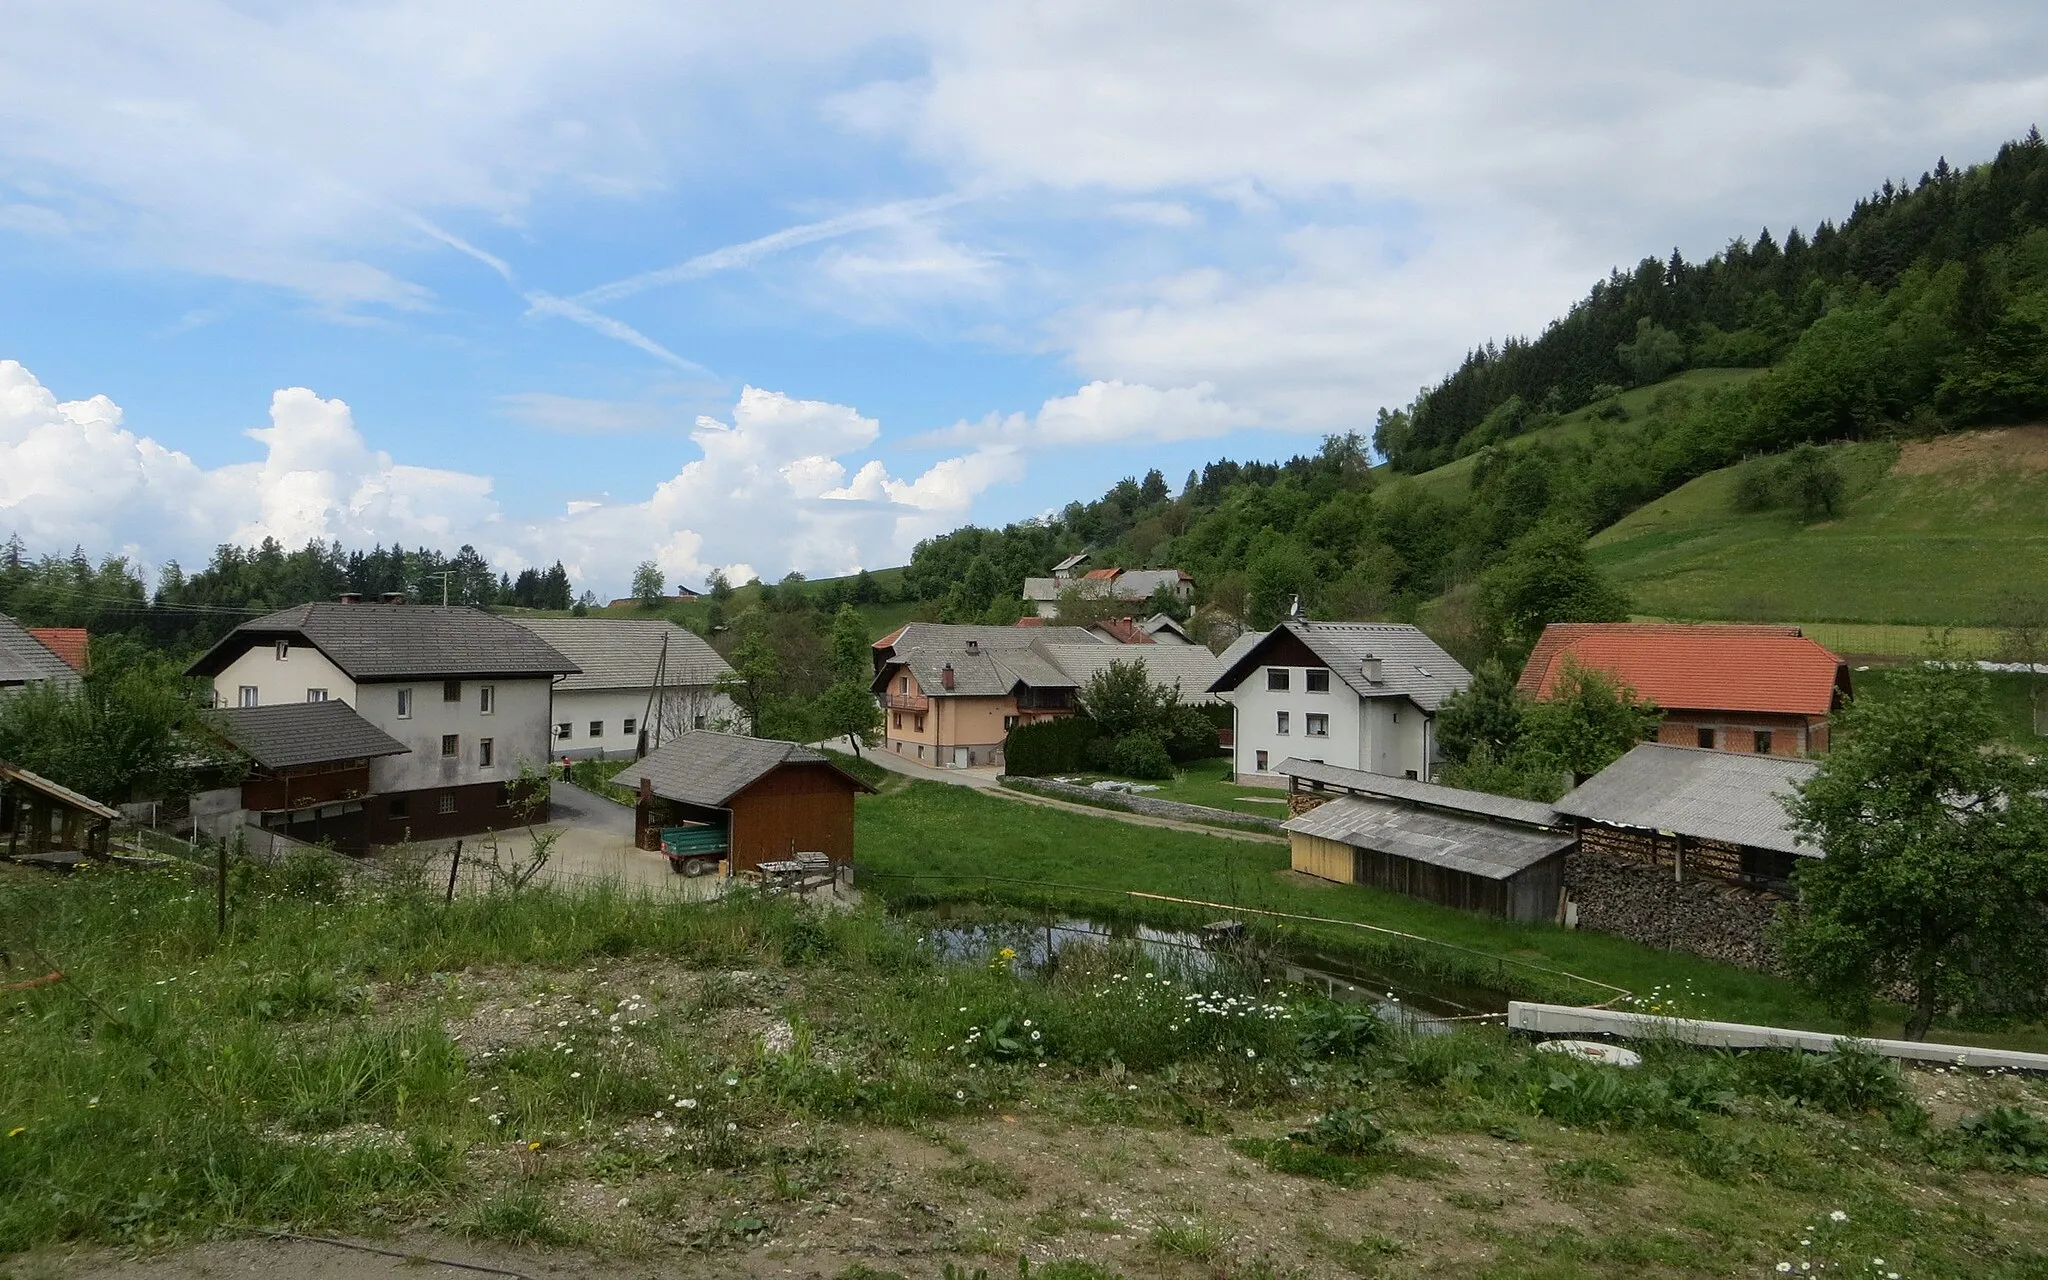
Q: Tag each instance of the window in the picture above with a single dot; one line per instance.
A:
(451, 745)
(447, 804)
(1262, 762)
(919, 726)
(1009, 723)
(562, 730)
(1763, 742)
(247, 696)
(405, 704)
(1280, 722)
(597, 728)
(484, 752)
(1410, 773)
(629, 726)
(486, 699)
(906, 684)
(898, 721)
(284, 650)
(698, 723)
(1318, 680)
(451, 691)
(316, 695)
(398, 807)
(1706, 737)
(1318, 725)
(1276, 679)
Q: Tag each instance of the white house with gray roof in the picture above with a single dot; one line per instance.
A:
(1360, 695)
(600, 710)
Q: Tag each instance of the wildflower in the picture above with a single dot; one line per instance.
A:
(1784, 1266)
(1034, 1035)
(533, 1146)
(1838, 1216)
(1251, 1053)
(731, 1127)
(575, 1075)
(17, 1131)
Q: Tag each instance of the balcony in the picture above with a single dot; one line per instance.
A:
(905, 702)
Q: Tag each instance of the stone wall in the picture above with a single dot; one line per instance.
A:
(1147, 805)
(1645, 904)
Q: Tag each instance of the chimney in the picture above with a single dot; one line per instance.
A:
(1370, 668)
(946, 676)
(974, 646)
(351, 597)
(392, 597)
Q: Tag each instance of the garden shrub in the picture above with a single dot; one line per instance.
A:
(1046, 747)
(1139, 755)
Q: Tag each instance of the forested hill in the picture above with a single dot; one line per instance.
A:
(1925, 311)
(1969, 234)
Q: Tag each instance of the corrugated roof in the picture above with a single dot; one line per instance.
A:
(23, 658)
(1706, 668)
(68, 643)
(621, 653)
(1715, 795)
(1475, 846)
(1455, 799)
(398, 642)
(289, 734)
(56, 791)
(1191, 667)
(1411, 665)
(701, 767)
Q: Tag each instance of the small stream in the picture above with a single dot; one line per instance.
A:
(968, 935)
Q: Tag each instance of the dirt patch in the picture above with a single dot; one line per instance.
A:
(2011, 449)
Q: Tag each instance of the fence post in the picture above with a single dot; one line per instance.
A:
(220, 888)
(454, 865)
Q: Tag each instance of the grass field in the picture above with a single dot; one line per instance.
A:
(1932, 534)
(590, 1084)
(948, 835)
(1210, 783)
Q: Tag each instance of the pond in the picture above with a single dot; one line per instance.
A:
(971, 935)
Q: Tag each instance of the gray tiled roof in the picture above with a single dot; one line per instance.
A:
(988, 673)
(945, 635)
(1192, 667)
(705, 768)
(24, 658)
(1430, 794)
(289, 734)
(398, 642)
(1412, 665)
(1715, 795)
(620, 653)
(1476, 846)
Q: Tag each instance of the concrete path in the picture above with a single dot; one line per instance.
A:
(983, 779)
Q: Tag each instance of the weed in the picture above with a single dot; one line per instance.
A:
(1585, 1171)
(975, 1174)
(518, 1216)
(2010, 1137)
(1195, 1241)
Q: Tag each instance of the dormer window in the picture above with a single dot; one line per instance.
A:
(1276, 679)
(1318, 680)
(284, 650)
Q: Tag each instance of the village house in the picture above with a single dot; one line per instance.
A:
(309, 773)
(1360, 695)
(26, 660)
(1761, 689)
(1134, 585)
(634, 675)
(467, 694)
(950, 694)
(744, 801)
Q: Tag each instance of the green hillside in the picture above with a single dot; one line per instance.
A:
(882, 616)
(1932, 533)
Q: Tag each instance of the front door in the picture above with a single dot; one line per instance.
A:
(959, 757)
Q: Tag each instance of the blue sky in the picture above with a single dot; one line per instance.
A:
(797, 285)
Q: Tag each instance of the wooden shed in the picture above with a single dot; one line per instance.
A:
(49, 824)
(746, 800)
(1464, 849)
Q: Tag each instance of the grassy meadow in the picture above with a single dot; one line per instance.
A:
(1932, 534)
(751, 1087)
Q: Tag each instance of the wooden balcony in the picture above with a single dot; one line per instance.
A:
(905, 702)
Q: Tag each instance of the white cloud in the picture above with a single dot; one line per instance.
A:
(1107, 412)
(769, 488)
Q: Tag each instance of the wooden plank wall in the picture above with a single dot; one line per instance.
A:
(1327, 859)
(799, 808)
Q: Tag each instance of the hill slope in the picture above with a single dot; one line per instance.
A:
(1932, 532)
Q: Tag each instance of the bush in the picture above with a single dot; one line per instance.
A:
(1137, 755)
(1046, 747)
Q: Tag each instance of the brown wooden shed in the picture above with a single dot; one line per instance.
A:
(749, 800)
(46, 823)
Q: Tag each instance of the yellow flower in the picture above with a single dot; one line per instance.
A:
(533, 1146)
(17, 1131)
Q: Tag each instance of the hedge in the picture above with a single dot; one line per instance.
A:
(1046, 747)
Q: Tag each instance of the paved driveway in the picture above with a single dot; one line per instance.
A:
(593, 845)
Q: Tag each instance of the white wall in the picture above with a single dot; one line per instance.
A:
(281, 680)
(1380, 735)
(517, 727)
(614, 707)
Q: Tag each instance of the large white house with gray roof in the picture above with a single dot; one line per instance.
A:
(601, 710)
(1360, 695)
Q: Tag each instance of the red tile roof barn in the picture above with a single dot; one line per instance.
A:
(67, 643)
(1698, 668)
(1102, 574)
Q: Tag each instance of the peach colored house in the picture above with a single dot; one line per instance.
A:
(952, 705)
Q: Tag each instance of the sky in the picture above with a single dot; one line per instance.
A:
(773, 286)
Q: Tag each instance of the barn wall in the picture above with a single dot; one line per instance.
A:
(799, 808)
(1431, 883)
(1315, 856)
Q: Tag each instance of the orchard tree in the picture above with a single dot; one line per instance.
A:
(1589, 721)
(1934, 879)
(648, 586)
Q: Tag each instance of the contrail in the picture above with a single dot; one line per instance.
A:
(570, 309)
